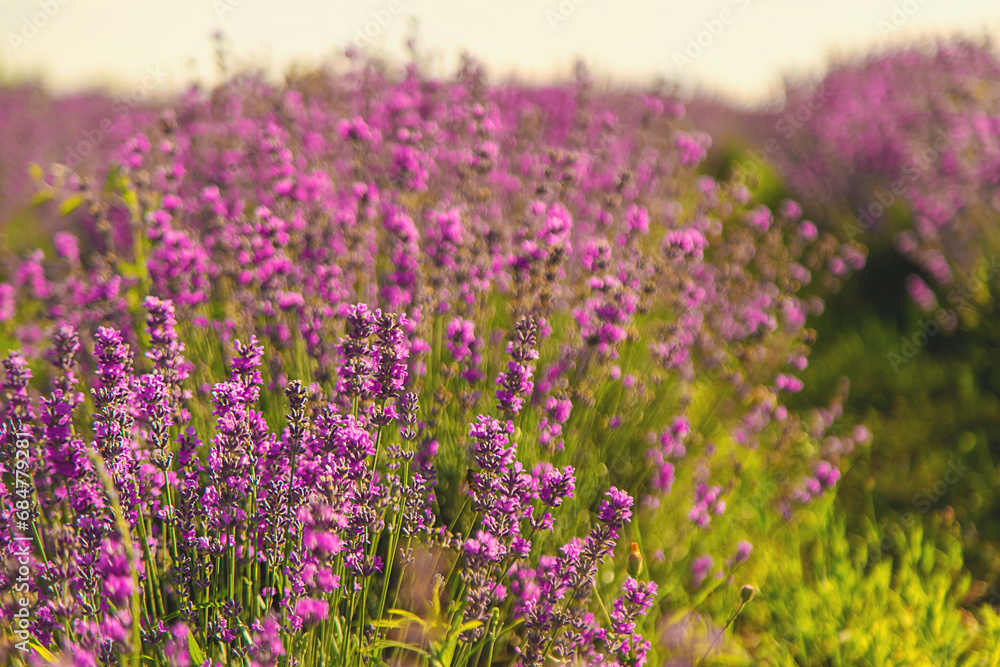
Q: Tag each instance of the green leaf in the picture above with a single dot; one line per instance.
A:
(128, 269)
(436, 598)
(41, 650)
(469, 626)
(406, 614)
(131, 200)
(197, 656)
(447, 654)
(389, 643)
(70, 204)
(510, 628)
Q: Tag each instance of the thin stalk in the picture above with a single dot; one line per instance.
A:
(732, 617)
(393, 543)
(154, 583)
(135, 655)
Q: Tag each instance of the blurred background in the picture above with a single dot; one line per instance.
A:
(740, 48)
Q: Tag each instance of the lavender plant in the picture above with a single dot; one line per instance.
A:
(379, 368)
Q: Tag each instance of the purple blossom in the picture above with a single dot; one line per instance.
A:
(707, 501)
(742, 554)
(788, 383)
(700, 567)
(686, 243)
(516, 382)
(465, 348)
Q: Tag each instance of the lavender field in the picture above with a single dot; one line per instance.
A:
(378, 367)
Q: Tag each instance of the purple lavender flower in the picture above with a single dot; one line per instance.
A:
(15, 387)
(389, 356)
(354, 376)
(707, 501)
(788, 383)
(516, 382)
(490, 451)
(113, 417)
(465, 348)
(557, 411)
(700, 567)
(742, 554)
(167, 353)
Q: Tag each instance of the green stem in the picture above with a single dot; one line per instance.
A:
(600, 601)
(125, 531)
(395, 594)
(147, 556)
(732, 617)
(231, 550)
(390, 559)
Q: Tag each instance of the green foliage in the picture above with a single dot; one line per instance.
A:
(848, 592)
(838, 599)
(933, 409)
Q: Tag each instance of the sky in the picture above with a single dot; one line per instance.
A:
(739, 48)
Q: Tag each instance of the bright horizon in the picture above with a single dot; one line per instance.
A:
(738, 48)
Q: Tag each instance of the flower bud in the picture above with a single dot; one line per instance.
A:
(634, 566)
(747, 593)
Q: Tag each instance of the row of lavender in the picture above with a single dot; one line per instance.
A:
(388, 368)
(900, 150)
(75, 130)
(905, 142)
